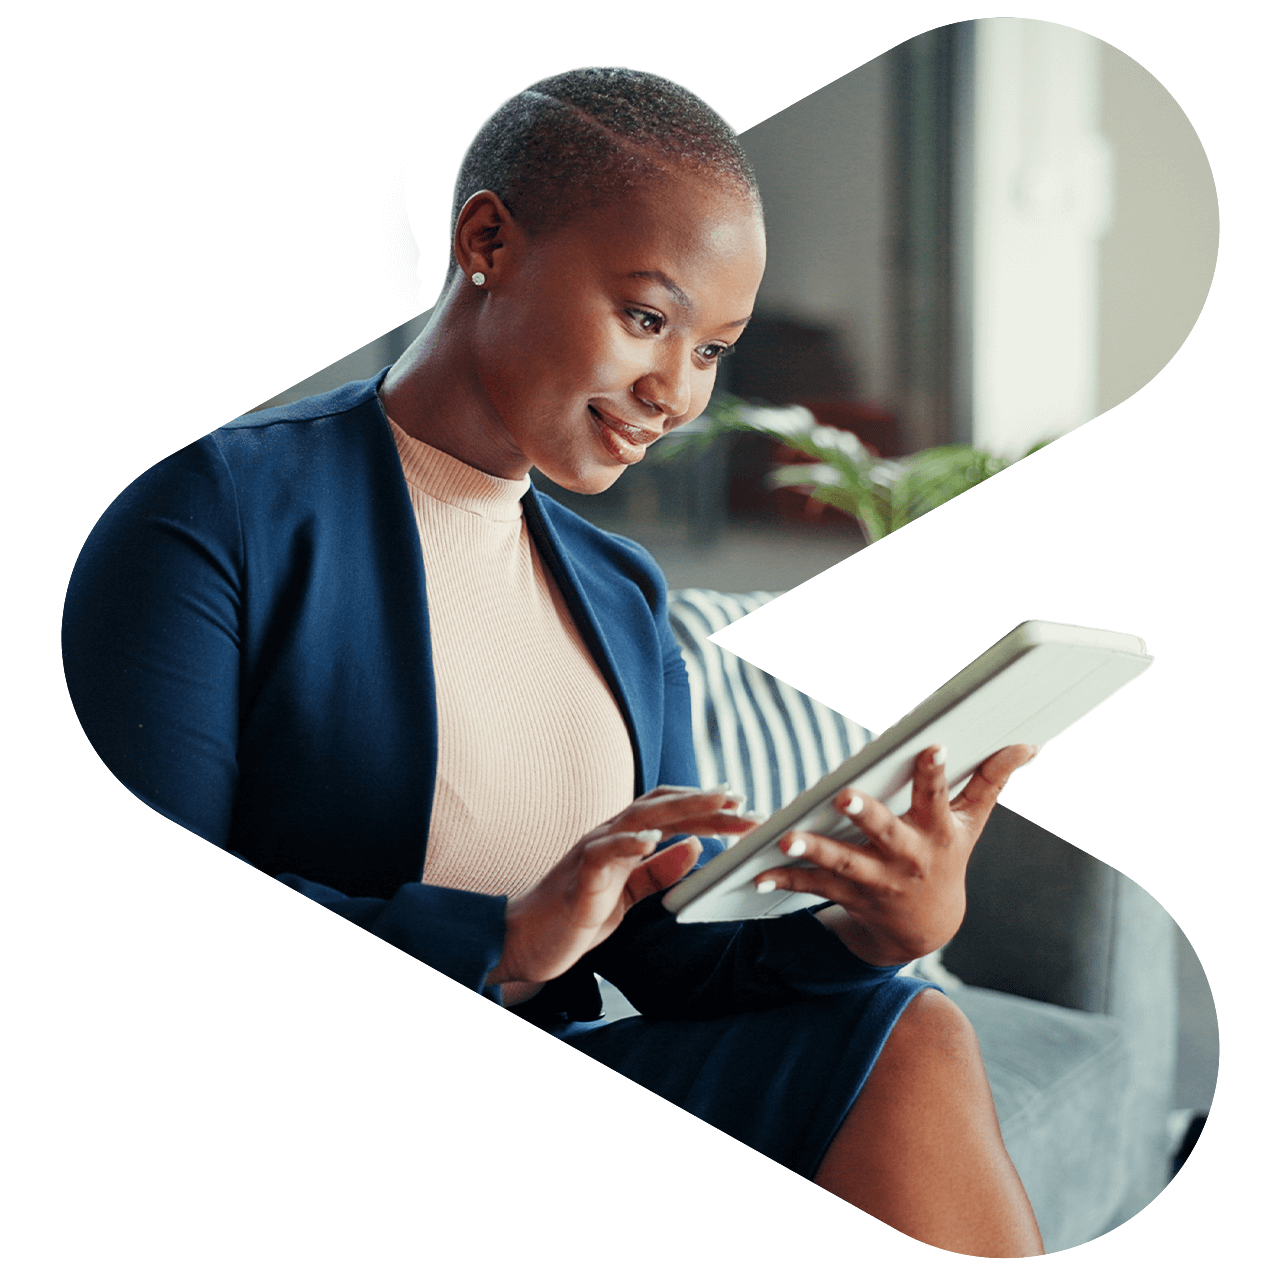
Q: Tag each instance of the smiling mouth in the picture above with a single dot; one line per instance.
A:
(625, 442)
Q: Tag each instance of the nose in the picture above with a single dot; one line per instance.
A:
(665, 387)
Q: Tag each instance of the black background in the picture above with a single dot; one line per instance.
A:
(229, 264)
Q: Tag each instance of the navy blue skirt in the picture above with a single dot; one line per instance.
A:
(781, 1080)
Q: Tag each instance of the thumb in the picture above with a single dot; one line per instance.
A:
(663, 869)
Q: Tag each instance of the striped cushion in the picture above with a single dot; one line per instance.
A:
(766, 739)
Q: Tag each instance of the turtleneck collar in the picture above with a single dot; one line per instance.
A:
(445, 478)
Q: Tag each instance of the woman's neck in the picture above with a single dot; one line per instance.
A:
(435, 394)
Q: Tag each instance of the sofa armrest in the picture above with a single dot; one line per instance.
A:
(1047, 921)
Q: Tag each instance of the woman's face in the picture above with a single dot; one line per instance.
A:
(598, 338)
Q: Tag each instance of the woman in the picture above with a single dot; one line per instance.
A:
(348, 642)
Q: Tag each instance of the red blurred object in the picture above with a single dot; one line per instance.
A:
(755, 456)
(877, 429)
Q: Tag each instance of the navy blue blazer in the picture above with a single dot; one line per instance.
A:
(246, 643)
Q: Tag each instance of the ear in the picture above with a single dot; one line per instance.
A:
(485, 235)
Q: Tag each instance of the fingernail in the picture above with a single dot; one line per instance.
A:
(766, 886)
(719, 787)
(852, 805)
(753, 816)
(940, 756)
(651, 836)
(732, 800)
(796, 848)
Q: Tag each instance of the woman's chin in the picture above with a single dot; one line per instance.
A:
(589, 478)
(597, 481)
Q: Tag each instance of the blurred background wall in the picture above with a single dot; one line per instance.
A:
(989, 234)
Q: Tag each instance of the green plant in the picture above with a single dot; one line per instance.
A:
(882, 494)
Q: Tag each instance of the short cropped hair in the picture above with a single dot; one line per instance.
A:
(582, 139)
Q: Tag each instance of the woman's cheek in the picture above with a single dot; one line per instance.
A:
(616, 365)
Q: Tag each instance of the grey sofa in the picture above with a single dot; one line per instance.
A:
(1065, 967)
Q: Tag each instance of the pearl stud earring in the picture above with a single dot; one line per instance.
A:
(478, 278)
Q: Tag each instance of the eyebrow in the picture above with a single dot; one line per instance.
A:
(661, 277)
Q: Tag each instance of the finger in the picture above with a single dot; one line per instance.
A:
(982, 790)
(671, 788)
(930, 798)
(822, 882)
(683, 800)
(610, 844)
(730, 799)
(873, 819)
(659, 872)
(602, 852)
(697, 813)
(863, 864)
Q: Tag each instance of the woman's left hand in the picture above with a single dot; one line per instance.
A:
(902, 895)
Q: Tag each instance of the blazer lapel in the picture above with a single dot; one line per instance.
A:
(595, 636)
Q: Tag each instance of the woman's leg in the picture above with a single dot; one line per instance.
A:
(921, 1148)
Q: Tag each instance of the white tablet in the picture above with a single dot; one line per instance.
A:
(1028, 687)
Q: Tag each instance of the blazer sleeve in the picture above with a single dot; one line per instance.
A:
(152, 653)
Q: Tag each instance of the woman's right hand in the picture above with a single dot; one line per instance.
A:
(583, 898)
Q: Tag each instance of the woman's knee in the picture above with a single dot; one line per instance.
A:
(932, 1023)
(928, 1088)
(921, 1148)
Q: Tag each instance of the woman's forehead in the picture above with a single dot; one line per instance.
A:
(662, 235)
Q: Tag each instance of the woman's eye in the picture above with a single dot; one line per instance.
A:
(715, 351)
(649, 321)
(653, 322)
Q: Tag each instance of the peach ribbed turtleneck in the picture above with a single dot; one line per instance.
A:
(533, 749)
